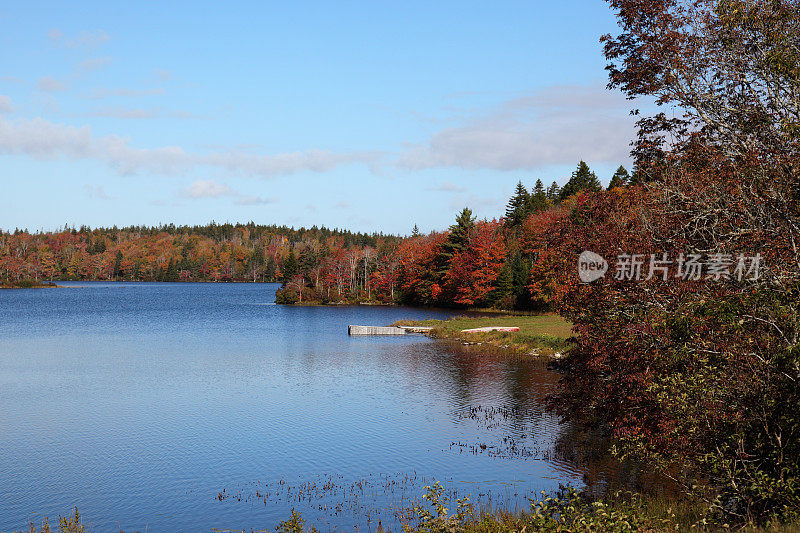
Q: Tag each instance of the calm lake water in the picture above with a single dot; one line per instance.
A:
(190, 407)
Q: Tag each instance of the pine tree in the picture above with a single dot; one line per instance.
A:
(460, 231)
(538, 198)
(269, 270)
(172, 272)
(456, 241)
(415, 231)
(582, 179)
(503, 287)
(554, 192)
(307, 261)
(518, 206)
(289, 268)
(619, 179)
(520, 272)
(637, 177)
(118, 264)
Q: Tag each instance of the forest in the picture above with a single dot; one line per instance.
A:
(472, 264)
(696, 376)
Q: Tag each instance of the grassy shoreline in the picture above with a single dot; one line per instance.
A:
(543, 335)
(28, 284)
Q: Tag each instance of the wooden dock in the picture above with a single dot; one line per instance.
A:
(375, 330)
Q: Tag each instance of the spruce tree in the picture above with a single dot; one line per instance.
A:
(503, 287)
(456, 241)
(538, 198)
(172, 272)
(554, 192)
(415, 231)
(518, 206)
(289, 267)
(619, 179)
(118, 265)
(460, 231)
(582, 179)
(269, 270)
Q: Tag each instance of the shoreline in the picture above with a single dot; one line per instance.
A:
(543, 335)
(25, 284)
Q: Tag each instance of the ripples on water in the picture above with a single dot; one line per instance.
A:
(187, 407)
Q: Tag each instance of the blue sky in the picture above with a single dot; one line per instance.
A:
(370, 115)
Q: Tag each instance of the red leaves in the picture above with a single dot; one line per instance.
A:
(474, 270)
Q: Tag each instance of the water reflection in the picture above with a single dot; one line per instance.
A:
(192, 406)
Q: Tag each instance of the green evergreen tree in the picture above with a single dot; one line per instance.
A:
(308, 260)
(619, 179)
(582, 179)
(456, 241)
(503, 287)
(172, 272)
(270, 269)
(538, 198)
(520, 272)
(289, 267)
(637, 177)
(518, 206)
(255, 261)
(415, 231)
(118, 265)
(554, 192)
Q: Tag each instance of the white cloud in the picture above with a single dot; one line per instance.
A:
(51, 85)
(255, 200)
(284, 164)
(42, 139)
(213, 189)
(103, 92)
(342, 205)
(91, 64)
(447, 186)
(138, 113)
(559, 125)
(473, 202)
(97, 191)
(5, 104)
(206, 189)
(85, 39)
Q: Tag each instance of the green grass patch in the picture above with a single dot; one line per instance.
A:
(26, 284)
(538, 334)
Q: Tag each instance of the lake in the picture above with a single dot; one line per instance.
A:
(193, 407)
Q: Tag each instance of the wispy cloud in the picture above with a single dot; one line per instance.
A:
(206, 189)
(11, 79)
(49, 85)
(559, 125)
(138, 113)
(214, 189)
(162, 74)
(5, 104)
(313, 160)
(473, 202)
(92, 64)
(447, 186)
(85, 39)
(46, 140)
(342, 205)
(102, 92)
(97, 191)
(255, 200)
